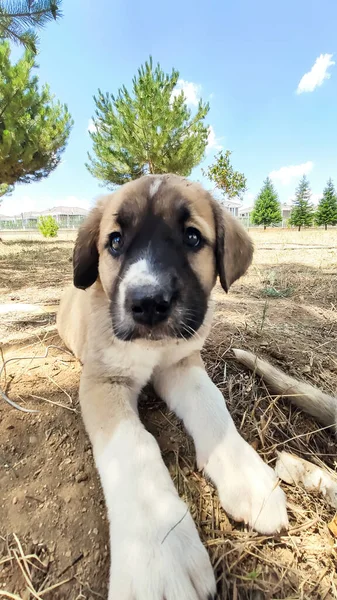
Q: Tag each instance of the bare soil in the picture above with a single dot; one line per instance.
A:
(53, 524)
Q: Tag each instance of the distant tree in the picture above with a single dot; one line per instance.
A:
(267, 208)
(34, 129)
(302, 213)
(232, 183)
(150, 130)
(48, 226)
(326, 213)
(20, 18)
(5, 190)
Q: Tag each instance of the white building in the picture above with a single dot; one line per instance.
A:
(245, 212)
(232, 205)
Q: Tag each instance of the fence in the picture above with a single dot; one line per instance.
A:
(246, 222)
(31, 223)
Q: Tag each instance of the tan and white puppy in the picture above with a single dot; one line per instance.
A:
(148, 257)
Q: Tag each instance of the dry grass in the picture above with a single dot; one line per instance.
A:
(51, 496)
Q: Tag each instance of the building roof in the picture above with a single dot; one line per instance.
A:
(65, 210)
(248, 209)
(227, 202)
(55, 211)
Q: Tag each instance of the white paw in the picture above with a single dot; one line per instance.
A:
(158, 555)
(248, 488)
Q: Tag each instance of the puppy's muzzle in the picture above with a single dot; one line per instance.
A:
(149, 305)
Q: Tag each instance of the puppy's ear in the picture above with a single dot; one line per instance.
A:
(85, 257)
(234, 247)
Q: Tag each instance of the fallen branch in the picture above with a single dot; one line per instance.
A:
(18, 307)
(304, 395)
(295, 470)
(2, 393)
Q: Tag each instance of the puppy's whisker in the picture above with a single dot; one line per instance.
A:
(190, 330)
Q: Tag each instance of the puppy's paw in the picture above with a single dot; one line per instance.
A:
(248, 488)
(160, 558)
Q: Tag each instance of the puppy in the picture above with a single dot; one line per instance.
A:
(148, 257)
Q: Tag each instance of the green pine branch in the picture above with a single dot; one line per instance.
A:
(20, 19)
(302, 213)
(34, 128)
(267, 209)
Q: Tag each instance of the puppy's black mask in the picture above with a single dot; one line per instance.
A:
(157, 294)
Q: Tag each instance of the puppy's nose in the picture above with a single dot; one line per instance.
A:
(150, 307)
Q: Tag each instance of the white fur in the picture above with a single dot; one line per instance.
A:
(247, 487)
(139, 274)
(155, 550)
(139, 359)
(154, 187)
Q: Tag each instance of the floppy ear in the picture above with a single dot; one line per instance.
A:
(234, 247)
(85, 257)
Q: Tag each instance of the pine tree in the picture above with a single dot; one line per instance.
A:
(150, 130)
(232, 183)
(302, 213)
(5, 190)
(20, 18)
(34, 129)
(267, 209)
(326, 213)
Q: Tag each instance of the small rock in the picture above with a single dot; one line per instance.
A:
(81, 477)
(15, 500)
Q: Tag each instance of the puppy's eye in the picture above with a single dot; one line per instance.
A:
(115, 243)
(192, 237)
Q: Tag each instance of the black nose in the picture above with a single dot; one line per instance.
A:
(149, 308)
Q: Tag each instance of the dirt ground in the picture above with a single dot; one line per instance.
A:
(53, 525)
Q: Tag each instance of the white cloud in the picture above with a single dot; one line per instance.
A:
(317, 74)
(91, 126)
(15, 205)
(191, 91)
(213, 141)
(285, 174)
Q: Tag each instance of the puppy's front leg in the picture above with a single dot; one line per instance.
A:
(247, 487)
(156, 552)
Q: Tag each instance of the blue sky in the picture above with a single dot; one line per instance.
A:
(249, 59)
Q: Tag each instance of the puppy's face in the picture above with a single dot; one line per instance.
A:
(157, 246)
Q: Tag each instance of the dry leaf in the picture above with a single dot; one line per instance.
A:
(333, 526)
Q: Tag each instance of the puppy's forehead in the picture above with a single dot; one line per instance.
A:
(168, 196)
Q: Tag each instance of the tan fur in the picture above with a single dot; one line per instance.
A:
(104, 403)
(238, 253)
(72, 320)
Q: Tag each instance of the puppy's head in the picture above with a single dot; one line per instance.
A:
(157, 245)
